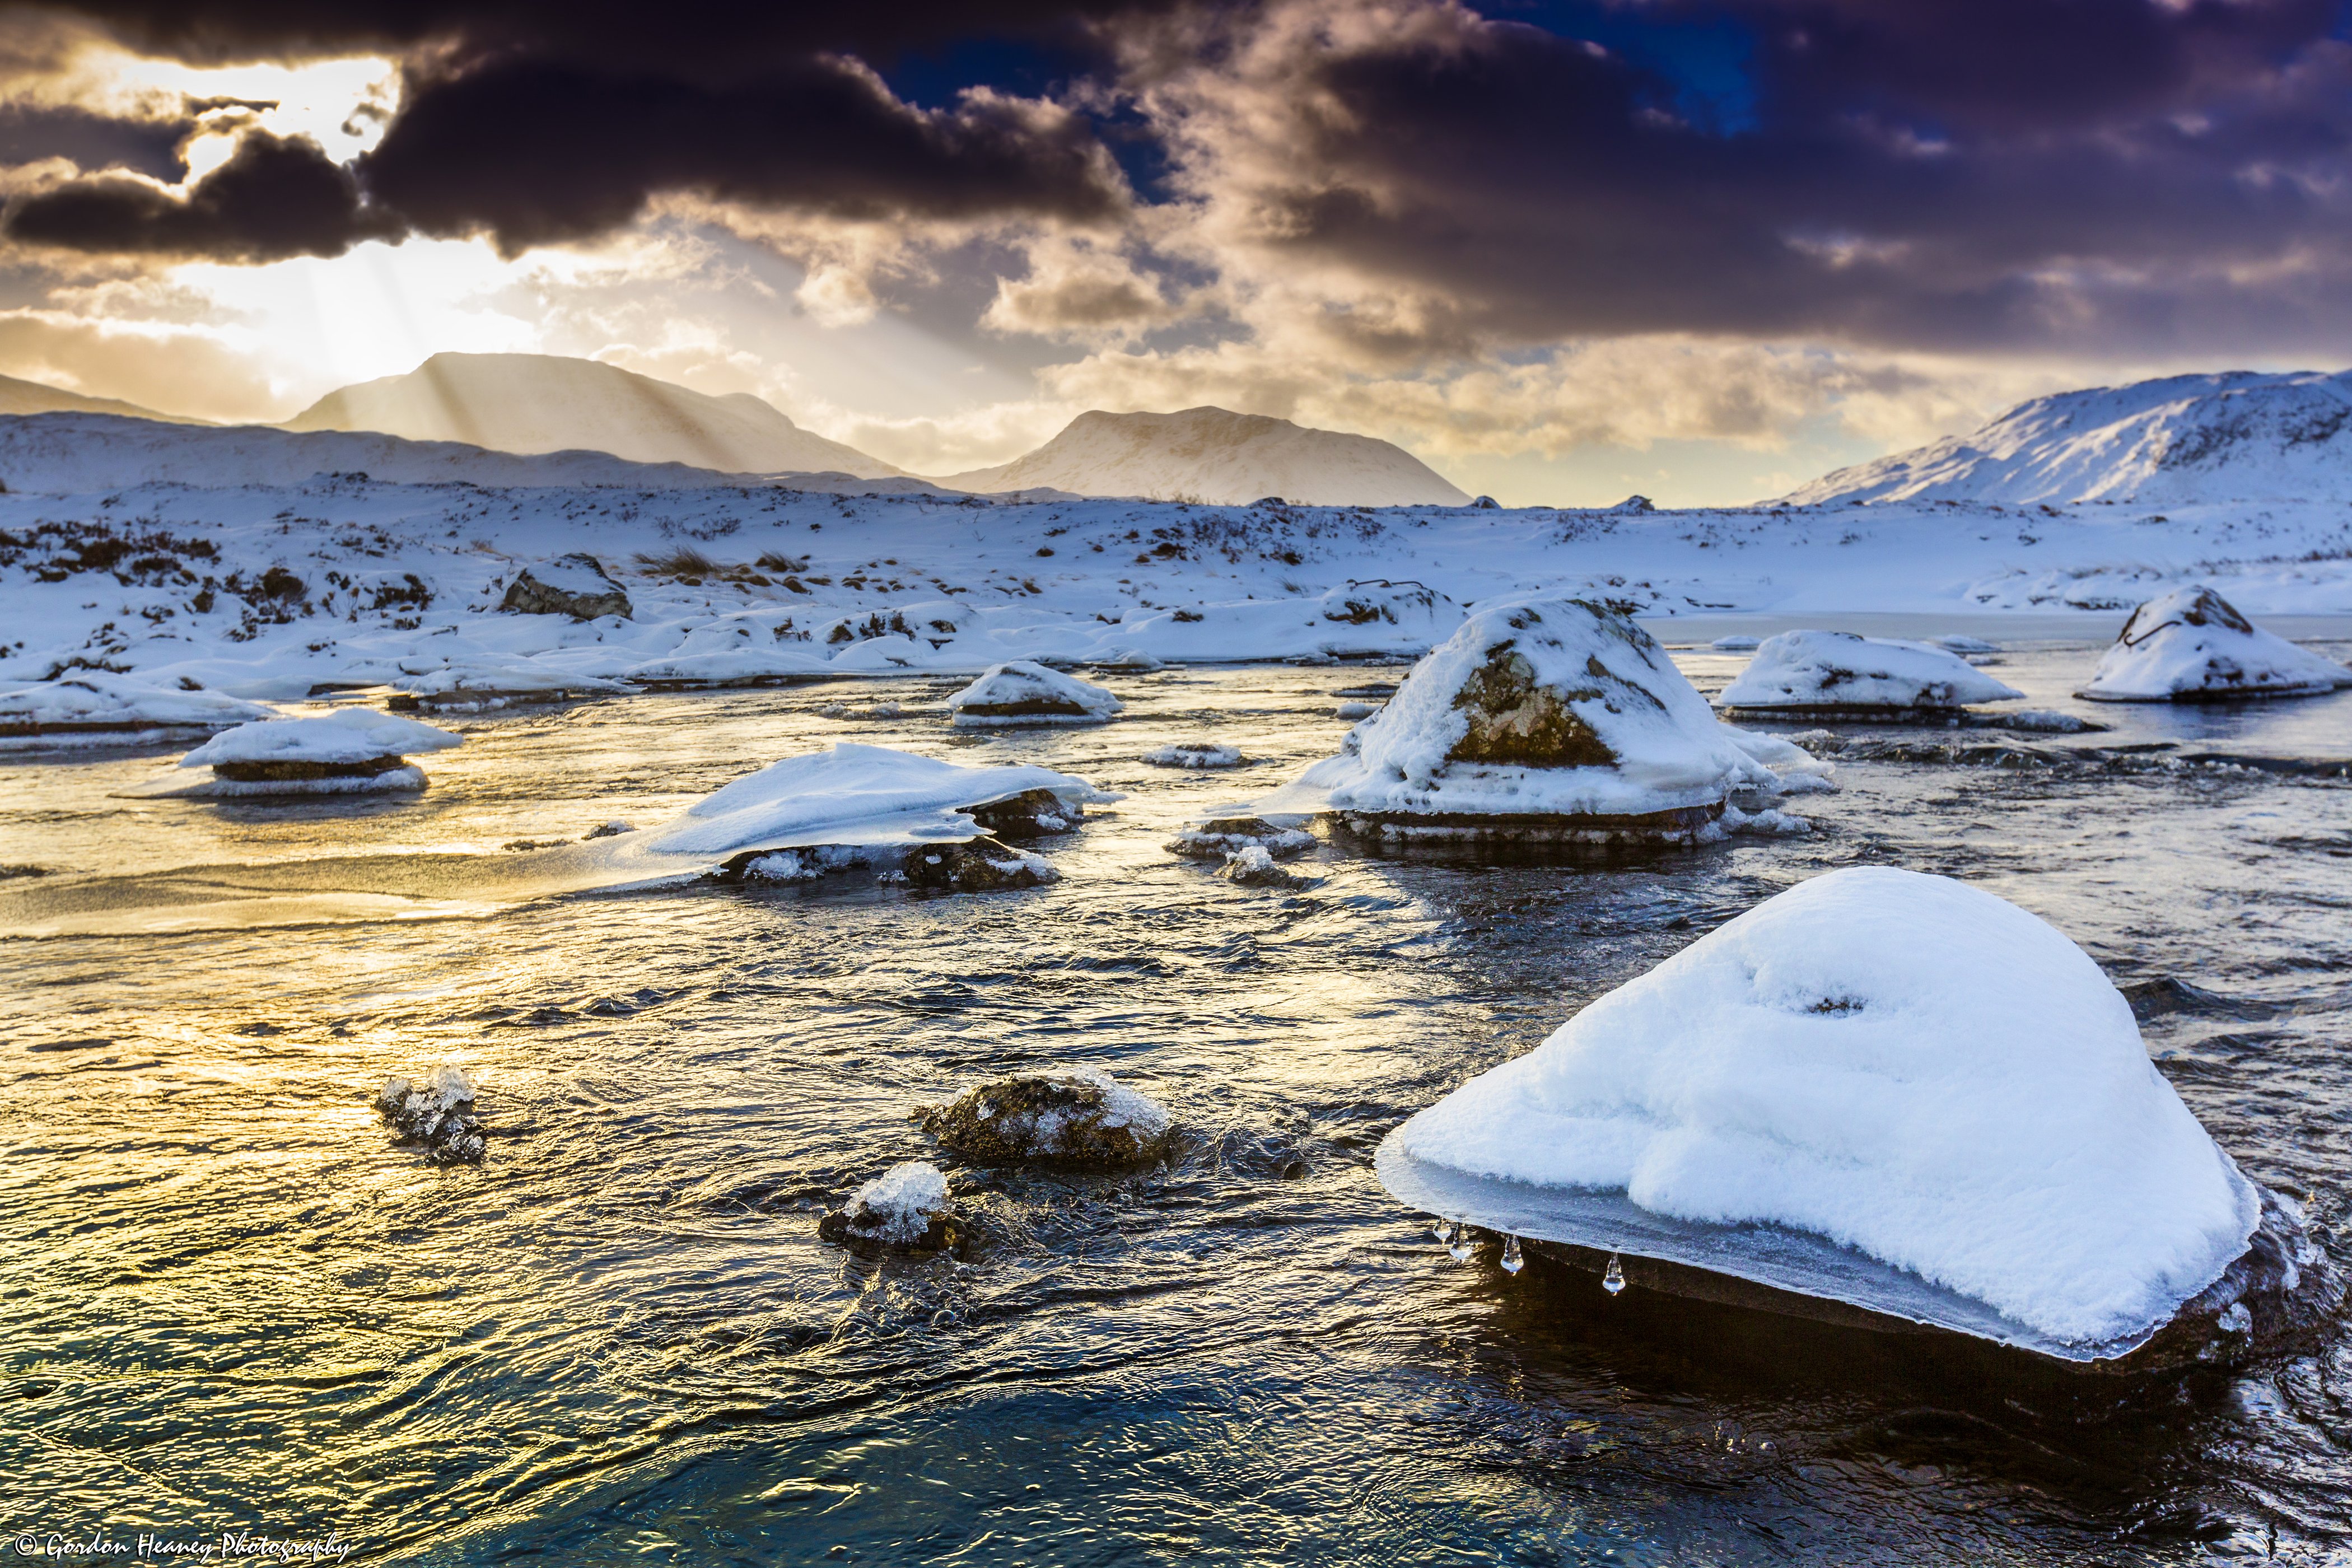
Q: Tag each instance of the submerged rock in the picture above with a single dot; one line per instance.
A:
(2192, 646)
(904, 1209)
(575, 585)
(351, 750)
(1219, 838)
(1886, 1090)
(1195, 754)
(437, 1113)
(1549, 723)
(1078, 1116)
(1837, 675)
(1023, 692)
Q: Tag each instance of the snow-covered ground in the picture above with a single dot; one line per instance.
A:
(232, 575)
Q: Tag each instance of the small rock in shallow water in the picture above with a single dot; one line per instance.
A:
(1255, 867)
(1074, 1117)
(610, 830)
(437, 1113)
(905, 1209)
(1219, 837)
(1195, 754)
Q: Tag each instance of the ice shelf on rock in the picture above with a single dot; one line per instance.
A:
(349, 751)
(1195, 754)
(1070, 1116)
(1549, 720)
(1838, 674)
(1901, 1065)
(905, 1208)
(99, 708)
(1220, 837)
(2192, 646)
(1022, 692)
(575, 585)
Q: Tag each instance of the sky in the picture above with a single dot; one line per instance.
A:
(1564, 251)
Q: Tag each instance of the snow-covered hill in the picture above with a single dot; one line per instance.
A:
(546, 403)
(37, 397)
(1222, 459)
(82, 454)
(2233, 437)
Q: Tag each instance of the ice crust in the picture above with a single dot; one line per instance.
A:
(1049, 696)
(1902, 1063)
(1839, 670)
(2191, 642)
(1669, 749)
(346, 735)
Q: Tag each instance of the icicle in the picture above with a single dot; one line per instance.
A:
(1459, 1244)
(1513, 1260)
(1615, 1281)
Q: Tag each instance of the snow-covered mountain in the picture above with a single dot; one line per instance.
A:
(37, 397)
(82, 454)
(2235, 435)
(1221, 458)
(547, 403)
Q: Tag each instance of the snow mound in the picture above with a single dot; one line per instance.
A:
(346, 735)
(1821, 673)
(1079, 1116)
(1195, 754)
(852, 793)
(99, 703)
(1550, 709)
(1023, 692)
(2192, 646)
(1387, 613)
(1904, 1063)
(905, 1206)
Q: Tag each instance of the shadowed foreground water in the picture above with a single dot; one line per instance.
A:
(227, 1301)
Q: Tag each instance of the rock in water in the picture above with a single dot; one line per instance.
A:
(1837, 675)
(1195, 754)
(437, 1113)
(1219, 837)
(1076, 1117)
(1875, 1060)
(981, 866)
(1032, 813)
(574, 586)
(1022, 692)
(351, 750)
(1254, 866)
(1552, 722)
(904, 1209)
(2192, 646)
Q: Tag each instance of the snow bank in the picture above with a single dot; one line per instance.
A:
(2192, 646)
(346, 735)
(1552, 709)
(97, 704)
(1905, 1065)
(1837, 672)
(1022, 692)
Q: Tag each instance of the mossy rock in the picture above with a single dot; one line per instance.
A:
(1051, 1118)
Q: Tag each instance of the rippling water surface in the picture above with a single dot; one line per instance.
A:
(226, 1301)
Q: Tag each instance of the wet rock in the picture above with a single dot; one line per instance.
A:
(608, 830)
(2277, 1297)
(1219, 837)
(575, 585)
(437, 1113)
(1076, 1117)
(981, 865)
(1255, 866)
(1032, 813)
(905, 1209)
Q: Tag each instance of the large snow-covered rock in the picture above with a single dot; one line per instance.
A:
(2191, 645)
(1023, 692)
(1219, 457)
(352, 750)
(1825, 675)
(1905, 1065)
(575, 585)
(1555, 718)
(97, 707)
(852, 793)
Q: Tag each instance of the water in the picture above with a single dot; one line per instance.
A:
(227, 1302)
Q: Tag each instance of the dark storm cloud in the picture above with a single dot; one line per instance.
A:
(272, 199)
(31, 132)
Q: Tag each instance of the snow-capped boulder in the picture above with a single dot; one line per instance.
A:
(1254, 865)
(904, 1209)
(97, 706)
(1023, 692)
(2192, 646)
(1388, 612)
(1220, 837)
(1195, 754)
(437, 1111)
(1078, 1116)
(352, 750)
(1837, 675)
(1874, 1062)
(574, 586)
(1555, 720)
